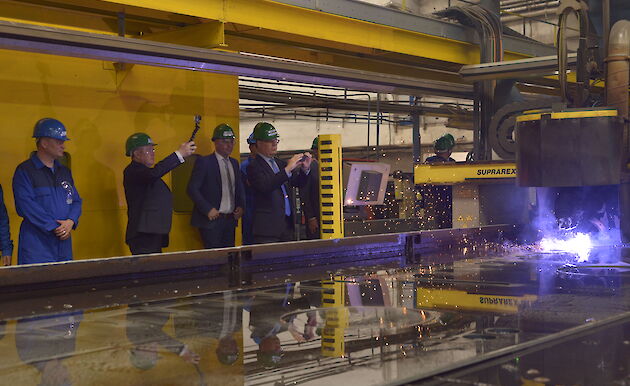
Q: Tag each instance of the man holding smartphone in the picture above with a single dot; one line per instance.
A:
(271, 179)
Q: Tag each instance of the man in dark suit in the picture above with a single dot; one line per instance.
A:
(247, 223)
(149, 200)
(310, 197)
(270, 180)
(216, 188)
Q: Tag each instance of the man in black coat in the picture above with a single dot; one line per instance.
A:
(149, 200)
(216, 188)
(310, 197)
(270, 180)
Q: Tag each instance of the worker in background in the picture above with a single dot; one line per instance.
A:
(439, 198)
(216, 189)
(46, 198)
(270, 178)
(149, 200)
(310, 196)
(443, 148)
(248, 215)
(6, 244)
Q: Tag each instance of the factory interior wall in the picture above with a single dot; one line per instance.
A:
(298, 134)
(101, 108)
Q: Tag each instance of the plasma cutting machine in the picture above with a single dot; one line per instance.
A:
(576, 146)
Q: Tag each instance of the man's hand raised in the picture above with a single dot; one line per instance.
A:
(187, 149)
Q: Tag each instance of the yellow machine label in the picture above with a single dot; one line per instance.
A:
(462, 300)
(462, 172)
(535, 115)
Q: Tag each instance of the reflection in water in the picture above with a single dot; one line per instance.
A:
(220, 320)
(45, 342)
(266, 322)
(145, 330)
(370, 328)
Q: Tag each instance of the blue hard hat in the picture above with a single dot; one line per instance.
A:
(51, 128)
(251, 140)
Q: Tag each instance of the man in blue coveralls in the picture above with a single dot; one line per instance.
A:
(6, 244)
(46, 199)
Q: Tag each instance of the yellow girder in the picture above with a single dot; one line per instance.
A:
(272, 16)
(452, 173)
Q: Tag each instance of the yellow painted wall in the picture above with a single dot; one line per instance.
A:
(100, 109)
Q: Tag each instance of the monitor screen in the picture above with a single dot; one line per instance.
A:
(367, 183)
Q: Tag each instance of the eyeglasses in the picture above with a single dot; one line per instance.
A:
(150, 150)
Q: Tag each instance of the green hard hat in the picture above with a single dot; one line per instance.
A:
(315, 144)
(269, 360)
(223, 131)
(137, 140)
(444, 143)
(264, 131)
(142, 362)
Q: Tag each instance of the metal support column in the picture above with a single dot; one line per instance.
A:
(330, 186)
(415, 133)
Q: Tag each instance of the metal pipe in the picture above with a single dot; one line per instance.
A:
(618, 67)
(606, 24)
(531, 8)
(378, 124)
(491, 5)
(617, 96)
(516, 3)
(528, 15)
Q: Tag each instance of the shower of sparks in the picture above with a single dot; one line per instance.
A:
(579, 245)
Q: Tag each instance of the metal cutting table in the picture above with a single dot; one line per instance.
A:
(436, 307)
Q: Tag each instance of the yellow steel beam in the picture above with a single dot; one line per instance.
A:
(269, 15)
(91, 16)
(463, 172)
(537, 116)
(264, 27)
(205, 35)
(346, 58)
(462, 300)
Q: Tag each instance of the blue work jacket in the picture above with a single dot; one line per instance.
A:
(43, 196)
(6, 244)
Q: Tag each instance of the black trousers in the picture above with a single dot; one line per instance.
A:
(219, 233)
(287, 234)
(313, 236)
(439, 205)
(145, 243)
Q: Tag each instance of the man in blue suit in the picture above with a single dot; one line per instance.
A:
(271, 180)
(216, 189)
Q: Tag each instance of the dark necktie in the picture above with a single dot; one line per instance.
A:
(287, 205)
(230, 183)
